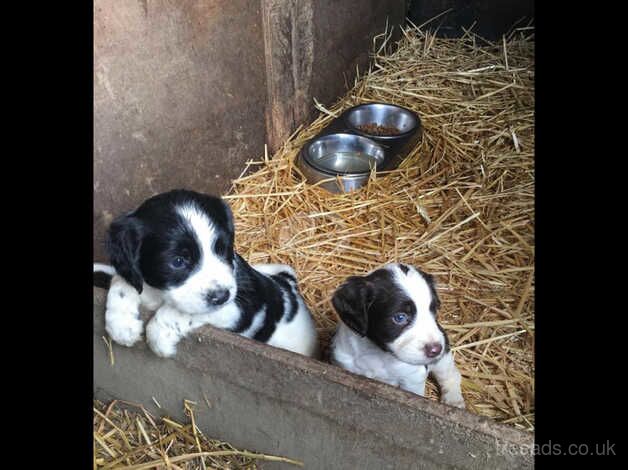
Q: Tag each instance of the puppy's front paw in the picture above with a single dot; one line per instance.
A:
(161, 340)
(453, 399)
(124, 329)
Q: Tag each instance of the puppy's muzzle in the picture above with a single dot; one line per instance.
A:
(217, 296)
(432, 350)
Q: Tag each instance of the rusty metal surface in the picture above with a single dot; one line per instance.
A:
(278, 402)
(179, 99)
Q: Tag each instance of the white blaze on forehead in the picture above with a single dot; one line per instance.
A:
(202, 227)
(414, 286)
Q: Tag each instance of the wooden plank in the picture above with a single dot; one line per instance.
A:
(288, 28)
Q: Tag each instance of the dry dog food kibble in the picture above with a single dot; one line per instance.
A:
(375, 129)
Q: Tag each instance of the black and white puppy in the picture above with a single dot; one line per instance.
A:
(174, 255)
(389, 331)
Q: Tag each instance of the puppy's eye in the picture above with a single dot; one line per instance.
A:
(178, 262)
(400, 319)
(220, 247)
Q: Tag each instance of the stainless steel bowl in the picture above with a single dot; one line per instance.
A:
(344, 154)
(382, 115)
(346, 158)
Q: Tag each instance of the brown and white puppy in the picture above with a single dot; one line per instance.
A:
(389, 331)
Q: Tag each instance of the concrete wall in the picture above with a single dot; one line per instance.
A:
(277, 402)
(183, 90)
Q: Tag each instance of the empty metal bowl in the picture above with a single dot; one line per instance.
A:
(380, 114)
(348, 157)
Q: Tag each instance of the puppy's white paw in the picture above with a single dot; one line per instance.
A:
(453, 399)
(124, 329)
(161, 340)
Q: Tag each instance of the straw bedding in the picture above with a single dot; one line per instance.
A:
(461, 206)
(127, 437)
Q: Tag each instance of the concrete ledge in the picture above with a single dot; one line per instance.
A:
(277, 402)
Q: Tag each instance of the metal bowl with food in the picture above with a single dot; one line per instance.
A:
(382, 121)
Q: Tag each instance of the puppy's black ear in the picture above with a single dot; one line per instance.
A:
(352, 301)
(230, 226)
(124, 240)
(431, 283)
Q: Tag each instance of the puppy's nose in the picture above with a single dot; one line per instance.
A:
(218, 296)
(433, 349)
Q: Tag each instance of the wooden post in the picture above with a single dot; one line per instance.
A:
(288, 27)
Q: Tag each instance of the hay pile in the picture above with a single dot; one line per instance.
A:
(130, 438)
(460, 207)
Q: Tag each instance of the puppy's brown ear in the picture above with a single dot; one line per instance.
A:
(124, 240)
(352, 301)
